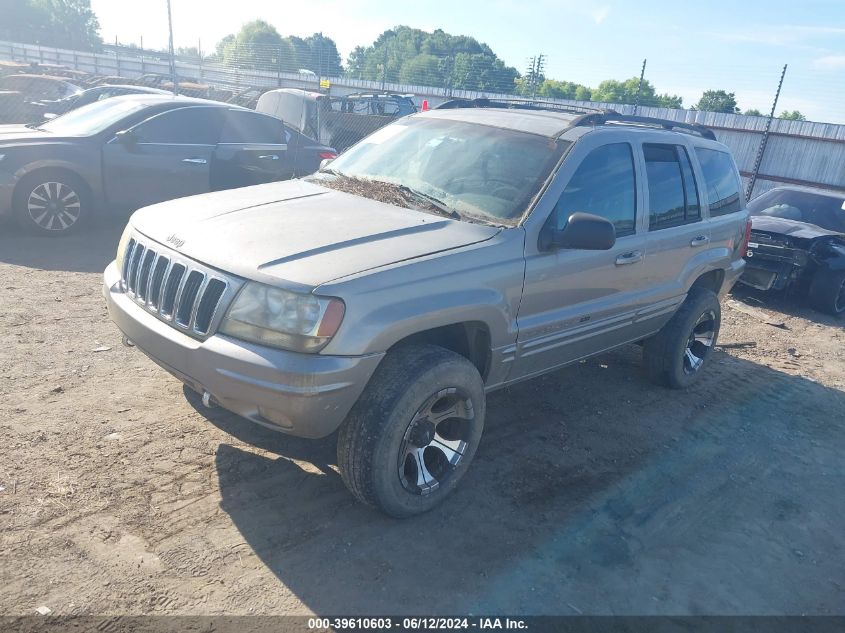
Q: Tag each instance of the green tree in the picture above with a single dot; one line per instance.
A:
(257, 45)
(717, 101)
(551, 88)
(187, 51)
(424, 69)
(479, 71)
(461, 61)
(355, 62)
(614, 91)
(795, 115)
(753, 112)
(60, 23)
(260, 46)
(322, 56)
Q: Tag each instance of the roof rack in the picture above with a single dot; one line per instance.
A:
(516, 104)
(590, 116)
(611, 116)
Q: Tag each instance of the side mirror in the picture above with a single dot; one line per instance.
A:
(126, 137)
(325, 162)
(583, 231)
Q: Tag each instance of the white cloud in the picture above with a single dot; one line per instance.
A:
(830, 62)
(780, 34)
(599, 14)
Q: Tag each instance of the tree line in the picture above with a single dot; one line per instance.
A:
(399, 55)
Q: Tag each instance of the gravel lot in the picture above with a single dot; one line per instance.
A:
(592, 491)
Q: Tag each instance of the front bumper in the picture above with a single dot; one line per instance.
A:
(308, 395)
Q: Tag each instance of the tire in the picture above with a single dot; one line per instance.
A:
(827, 291)
(389, 430)
(35, 194)
(676, 356)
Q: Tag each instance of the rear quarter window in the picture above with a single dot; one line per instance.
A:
(721, 180)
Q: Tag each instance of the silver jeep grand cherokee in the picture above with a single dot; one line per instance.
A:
(449, 254)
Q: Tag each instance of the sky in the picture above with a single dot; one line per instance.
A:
(736, 46)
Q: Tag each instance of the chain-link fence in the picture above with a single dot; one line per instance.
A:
(338, 105)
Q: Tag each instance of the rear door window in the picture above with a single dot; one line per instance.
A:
(722, 181)
(249, 127)
(672, 190)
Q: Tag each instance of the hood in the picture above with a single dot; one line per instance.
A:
(22, 135)
(793, 228)
(299, 235)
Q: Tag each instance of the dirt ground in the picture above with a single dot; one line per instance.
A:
(592, 492)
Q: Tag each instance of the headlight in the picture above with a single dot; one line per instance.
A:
(271, 316)
(121, 247)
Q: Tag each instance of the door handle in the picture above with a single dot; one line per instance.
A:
(701, 240)
(269, 157)
(629, 258)
(195, 161)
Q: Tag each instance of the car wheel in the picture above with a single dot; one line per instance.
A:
(676, 356)
(413, 433)
(827, 291)
(51, 203)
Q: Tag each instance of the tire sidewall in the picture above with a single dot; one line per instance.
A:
(393, 497)
(32, 181)
(824, 291)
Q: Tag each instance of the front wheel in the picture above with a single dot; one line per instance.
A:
(51, 203)
(412, 435)
(676, 356)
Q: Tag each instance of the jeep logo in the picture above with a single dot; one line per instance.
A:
(175, 241)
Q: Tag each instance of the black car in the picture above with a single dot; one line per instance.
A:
(128, 152)
(53, 108)
(798, 242)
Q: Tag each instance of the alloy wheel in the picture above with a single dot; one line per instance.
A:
(54, 206)
(435, 441)
(700, 342)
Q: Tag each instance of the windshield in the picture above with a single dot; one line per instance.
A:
(825, 211)
(475, 170)
(93, 118)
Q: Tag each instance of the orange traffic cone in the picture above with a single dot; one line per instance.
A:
(425, 105)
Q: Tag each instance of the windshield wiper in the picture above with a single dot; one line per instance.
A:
(433, 201)
(33, 126)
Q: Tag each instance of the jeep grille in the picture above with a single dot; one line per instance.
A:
(179, 292)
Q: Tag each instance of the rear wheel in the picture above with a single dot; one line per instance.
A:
(827, 292)
(412, 435)
(51, 203)
(675, 356)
